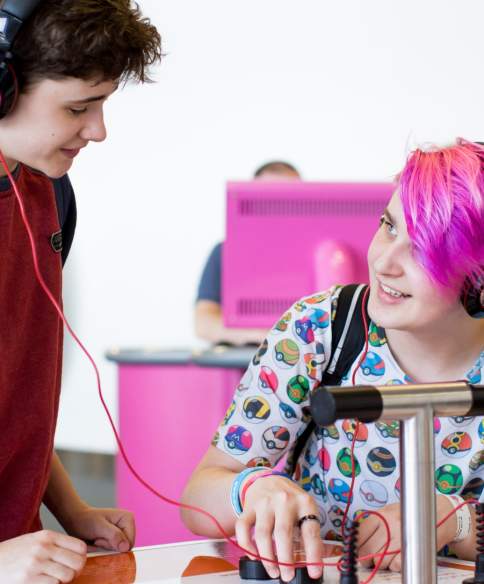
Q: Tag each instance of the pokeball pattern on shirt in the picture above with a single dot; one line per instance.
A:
(270, 410)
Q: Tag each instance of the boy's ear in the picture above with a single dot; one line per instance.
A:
(13, 14)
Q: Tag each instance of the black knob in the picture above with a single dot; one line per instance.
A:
(302, 577)
(329, 404)
(252, 569)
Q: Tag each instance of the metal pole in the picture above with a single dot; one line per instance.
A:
(414, 405)
(418, 516)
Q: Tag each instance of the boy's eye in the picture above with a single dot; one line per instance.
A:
(389, 227)
(77, 111)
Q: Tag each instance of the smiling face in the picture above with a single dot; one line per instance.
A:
(52, 121)
(402, 296)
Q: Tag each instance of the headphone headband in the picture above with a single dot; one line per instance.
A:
(21, 9)
(13, 13)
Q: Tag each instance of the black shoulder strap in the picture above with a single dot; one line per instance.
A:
(348, 337)
(348, 333)
(67, 212)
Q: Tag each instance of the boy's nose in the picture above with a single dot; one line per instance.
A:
(95, 131)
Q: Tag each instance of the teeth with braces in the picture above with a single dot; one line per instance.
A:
(391, 291)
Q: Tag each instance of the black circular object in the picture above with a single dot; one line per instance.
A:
(329, 404)
(252, 569)
(302, 577)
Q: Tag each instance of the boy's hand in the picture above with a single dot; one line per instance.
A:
(43, 557)
(112, 529)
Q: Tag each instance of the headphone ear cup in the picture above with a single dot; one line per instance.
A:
(472, 298)
(8, 89)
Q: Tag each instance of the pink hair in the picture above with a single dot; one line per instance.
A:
(442, 193)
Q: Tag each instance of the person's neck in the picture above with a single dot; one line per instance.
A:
(444, 353)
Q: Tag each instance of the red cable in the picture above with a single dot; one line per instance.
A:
(357, 427)
(211, 517)
(441, 522)
(370, 556)
(353, 443)
(381, 555)
(54, 302)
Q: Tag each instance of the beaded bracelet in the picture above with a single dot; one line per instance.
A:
(235, 491)
(251, 480)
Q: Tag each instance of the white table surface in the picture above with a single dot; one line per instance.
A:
(208, 562)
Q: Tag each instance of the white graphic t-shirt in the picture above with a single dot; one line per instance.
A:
(271, 409)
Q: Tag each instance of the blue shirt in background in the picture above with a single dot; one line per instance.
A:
(210, 287)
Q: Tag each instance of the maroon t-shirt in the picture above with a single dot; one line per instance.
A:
(30, 352)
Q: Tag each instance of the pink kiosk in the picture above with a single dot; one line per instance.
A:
(284, 241)
(169, 404)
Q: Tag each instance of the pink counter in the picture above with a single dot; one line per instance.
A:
(169, 408)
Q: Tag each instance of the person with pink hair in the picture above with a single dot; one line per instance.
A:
(425, 308)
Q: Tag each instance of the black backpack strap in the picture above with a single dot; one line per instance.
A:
(348, 333)
(348, 338)
(67, 212)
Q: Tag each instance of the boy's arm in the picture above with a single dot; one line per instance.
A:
(61, 497)
(108, 528)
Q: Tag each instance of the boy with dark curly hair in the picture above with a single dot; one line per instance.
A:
(60, 60)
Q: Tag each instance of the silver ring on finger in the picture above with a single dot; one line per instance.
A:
(310, 517)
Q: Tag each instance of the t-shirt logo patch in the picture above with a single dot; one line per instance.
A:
(56, 241)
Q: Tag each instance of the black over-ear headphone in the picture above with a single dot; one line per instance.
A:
(473, 298)
(13, 13)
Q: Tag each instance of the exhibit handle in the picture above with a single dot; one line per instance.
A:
(370, 403)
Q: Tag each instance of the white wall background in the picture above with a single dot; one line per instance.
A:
(341, 89)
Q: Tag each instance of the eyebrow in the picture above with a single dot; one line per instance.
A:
(96, 97)
(90, 99)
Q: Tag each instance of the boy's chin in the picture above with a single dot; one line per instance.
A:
(55, 170)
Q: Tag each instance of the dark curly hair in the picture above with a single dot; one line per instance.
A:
(86, 39)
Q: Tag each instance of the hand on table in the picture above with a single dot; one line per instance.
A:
(372, 534)
(43, 557)
(112, 529)
(273, 506)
